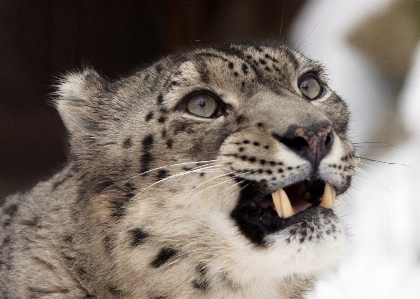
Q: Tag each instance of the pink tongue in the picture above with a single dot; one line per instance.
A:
(302, 206)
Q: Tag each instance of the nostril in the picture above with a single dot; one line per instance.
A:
(296, 143)
(299, 143)
(328, 140)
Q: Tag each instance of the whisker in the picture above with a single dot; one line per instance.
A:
(210, 187)
(171, 165)
(379, 161)
(206, 181)
(162, 180)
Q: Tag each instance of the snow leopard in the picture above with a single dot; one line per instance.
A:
(212, 173)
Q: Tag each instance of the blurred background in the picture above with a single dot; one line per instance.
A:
(369, 48)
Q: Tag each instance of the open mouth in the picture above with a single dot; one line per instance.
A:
(259, 214)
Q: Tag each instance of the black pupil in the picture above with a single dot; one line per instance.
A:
(304, 85)
(201, 102)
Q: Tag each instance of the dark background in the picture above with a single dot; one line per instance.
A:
(41, 40)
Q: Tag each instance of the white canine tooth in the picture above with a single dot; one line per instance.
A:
(328, 197)
(277, 202)
(286, 207)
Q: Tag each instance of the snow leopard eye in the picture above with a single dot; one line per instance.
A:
(310, 86)
(203, 105)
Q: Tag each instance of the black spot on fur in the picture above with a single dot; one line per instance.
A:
(68, 239)
(169, 143)
(147, 157)
(129, 189)
(245, 68)
(6, 242)
(129, 186)
(114, 290)
(240, 119)
(200, 285)
(127, 143)
(138, 236)
(81, 272)
(149, 116)
(163, 133)
(158, 68)
(117, 205)
(58, 183)
(162, 173)
(165, 254)
(108, 244)
(180, 128)
(161, 119)
(160, 297)
(201, 269)
(147, 142)
(11, 210)
(160, 99)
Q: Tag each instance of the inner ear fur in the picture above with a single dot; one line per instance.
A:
(78, 101)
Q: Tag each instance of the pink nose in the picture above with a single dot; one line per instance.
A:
(312, 143)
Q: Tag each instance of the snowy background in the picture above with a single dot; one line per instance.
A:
(382, 210)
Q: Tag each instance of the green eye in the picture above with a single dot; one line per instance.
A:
(310, 87)
(203, 105)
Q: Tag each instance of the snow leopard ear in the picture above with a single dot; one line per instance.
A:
(78, 100)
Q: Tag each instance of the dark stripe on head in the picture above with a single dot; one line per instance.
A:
(289, 55)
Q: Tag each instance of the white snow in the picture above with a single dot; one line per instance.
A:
(382, 209)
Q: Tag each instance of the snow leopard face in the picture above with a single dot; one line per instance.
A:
(210, 174)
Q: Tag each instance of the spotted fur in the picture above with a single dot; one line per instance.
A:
(145, 207)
